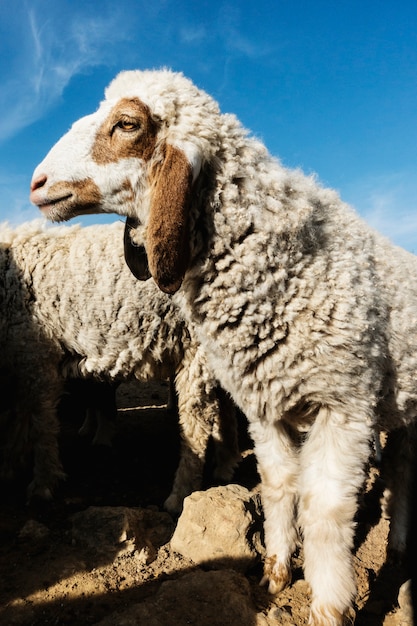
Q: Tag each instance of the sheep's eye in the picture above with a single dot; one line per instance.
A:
(127, 125)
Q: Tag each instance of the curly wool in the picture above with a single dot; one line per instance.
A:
(289, 270)
(307, 315)
(70, 308)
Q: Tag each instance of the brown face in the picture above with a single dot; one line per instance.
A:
(116, 161)
(128, 132)
(86, 171)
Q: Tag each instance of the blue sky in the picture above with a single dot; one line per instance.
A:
(329, 86)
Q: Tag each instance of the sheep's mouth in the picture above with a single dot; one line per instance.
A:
(50, 203)
(60, 209)
(63, 201)
(64, 209)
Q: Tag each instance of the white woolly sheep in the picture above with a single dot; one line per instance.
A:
(70, 308)
(308, 317)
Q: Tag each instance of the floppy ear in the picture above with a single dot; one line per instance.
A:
(167, 229)
(135, 255)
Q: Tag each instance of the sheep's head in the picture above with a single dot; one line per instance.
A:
(137, 156)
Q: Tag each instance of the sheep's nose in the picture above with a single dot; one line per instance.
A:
(38, 182)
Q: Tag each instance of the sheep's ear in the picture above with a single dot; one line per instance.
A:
(167, 229)
(135, 255)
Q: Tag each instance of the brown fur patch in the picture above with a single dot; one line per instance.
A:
(277, 578)
(167, 230)
(67, 199)
(86, 189)
(321, 616)
(128, 131)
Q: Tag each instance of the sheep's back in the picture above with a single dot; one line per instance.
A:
(86, 299)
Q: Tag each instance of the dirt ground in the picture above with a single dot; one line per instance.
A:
(46, 579)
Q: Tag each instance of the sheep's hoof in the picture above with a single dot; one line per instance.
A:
(329, 616)
(173, 504)
(276, 576)
(38, 492)
(396, 555)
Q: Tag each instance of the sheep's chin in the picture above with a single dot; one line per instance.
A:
(64, 210)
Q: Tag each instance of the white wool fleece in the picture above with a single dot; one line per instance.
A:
(70, 308)
(308, 316)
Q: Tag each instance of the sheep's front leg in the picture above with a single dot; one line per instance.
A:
(225, 437)
(397, 471)
(47, 468)
(197, 410)
(278, 466)
(195, 435)
(332, 459)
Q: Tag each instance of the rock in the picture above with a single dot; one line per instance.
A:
(33, 531)
(220, 527)
(405, 604)
(216, 598)
(112, 531)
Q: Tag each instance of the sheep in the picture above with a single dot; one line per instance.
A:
(70, 308)
(308, 316)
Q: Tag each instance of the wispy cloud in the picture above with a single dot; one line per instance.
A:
(230, 27)
(389, 204)
(239, 45)
(55, 48)
(192, 35)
